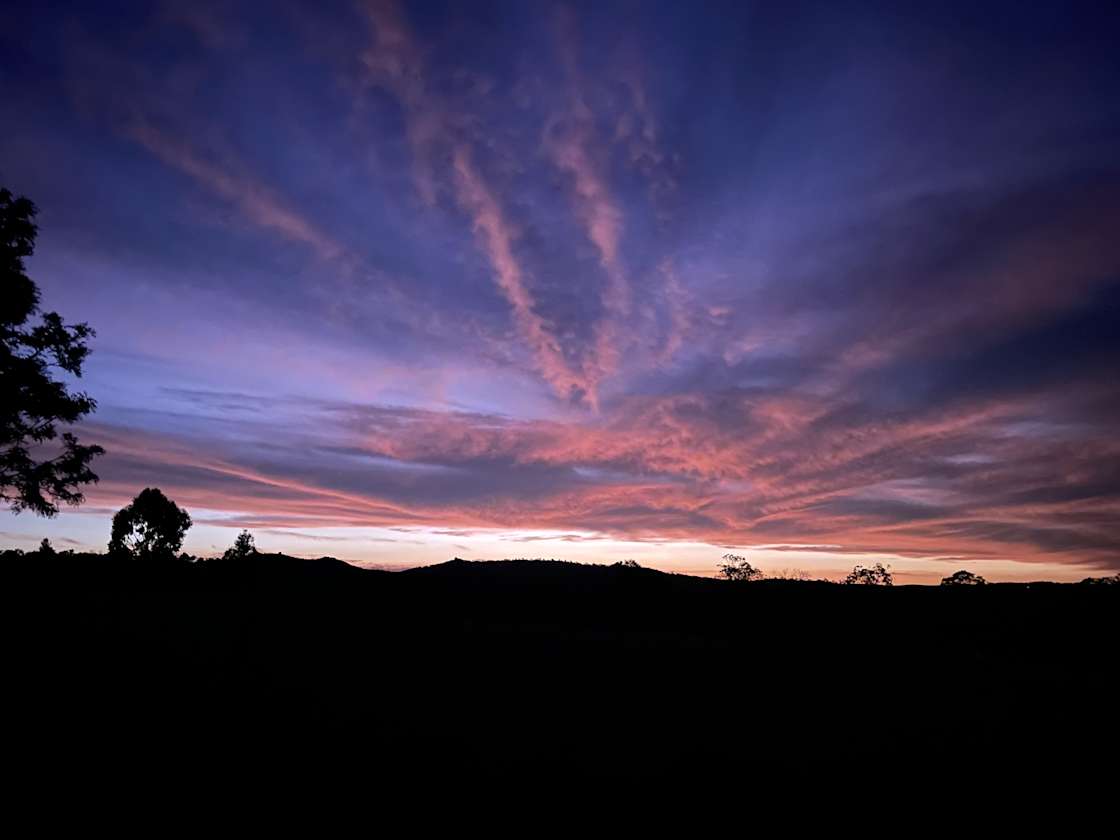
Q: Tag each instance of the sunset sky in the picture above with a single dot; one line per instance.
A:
(821, 283)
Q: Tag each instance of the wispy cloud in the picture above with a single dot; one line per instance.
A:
(572, 144)
(497, 239)
(394, 62)
(260, 205)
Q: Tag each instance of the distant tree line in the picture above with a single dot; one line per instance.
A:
(735, 567)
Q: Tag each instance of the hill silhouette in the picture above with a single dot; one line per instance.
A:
(501, 672)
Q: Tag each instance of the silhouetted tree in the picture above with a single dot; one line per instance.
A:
(735, 567)
(877, 575)
(1113, 579)
(242, 547)
(32, 402)
(152, 526)
(626, 564)
(46, 549)
(963, 578)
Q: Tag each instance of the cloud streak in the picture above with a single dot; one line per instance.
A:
(497, 240)
(259, 204)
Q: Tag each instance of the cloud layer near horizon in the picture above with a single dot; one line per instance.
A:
(839, 278)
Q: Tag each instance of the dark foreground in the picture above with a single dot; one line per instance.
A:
(533, 672)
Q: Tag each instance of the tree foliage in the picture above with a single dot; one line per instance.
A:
(152, 526)
(877, 575)
(736, 567)
(38, 468)
(242, 548)
(963, 578)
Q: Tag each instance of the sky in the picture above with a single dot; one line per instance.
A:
(818, 283)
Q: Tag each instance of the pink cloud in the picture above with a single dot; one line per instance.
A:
(497, 240)
(568, 145)
(571, 142)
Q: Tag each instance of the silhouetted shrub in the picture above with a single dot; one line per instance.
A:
(152, 526)
(46, 549)
(877, 575)
(963, 578)
(735, 567)
(790, 574)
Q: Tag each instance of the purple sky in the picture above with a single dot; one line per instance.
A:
(821, 282)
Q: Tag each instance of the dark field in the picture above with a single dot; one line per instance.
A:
(525, 672)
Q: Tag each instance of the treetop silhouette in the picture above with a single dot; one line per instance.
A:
(736, 567)
(37, 470)
(877, 575)
(242, 548)
(152, 526)
(963, 578)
